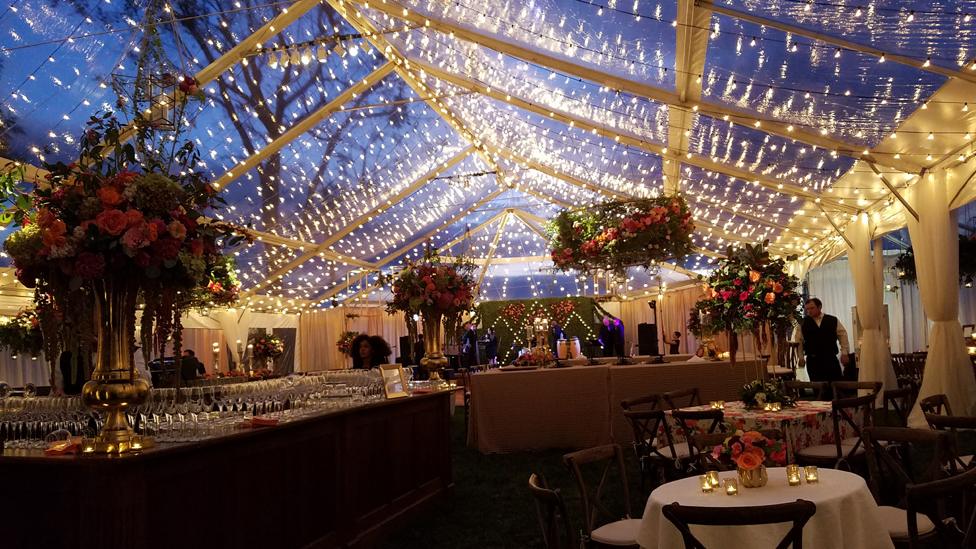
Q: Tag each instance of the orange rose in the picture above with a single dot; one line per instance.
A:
(53, 235)
(770, 298)
(754, 276)
(777, 287)
(133, 217)
(748, 461)
(109, 197)
(111, 222)
(751, 436)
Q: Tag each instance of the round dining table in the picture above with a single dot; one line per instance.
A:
(847, 515)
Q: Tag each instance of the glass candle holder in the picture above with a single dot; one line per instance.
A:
(811, 474)
(767, 407)
(731, 486)
(713, 478)
(720, 404)
(706, 484)
(776, 406)
(793, 474)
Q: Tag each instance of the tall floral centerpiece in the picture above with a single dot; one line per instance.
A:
(434, 290)
(267, 349)
(107, 234)
(617, 235)
(751, 293)
(22, 334)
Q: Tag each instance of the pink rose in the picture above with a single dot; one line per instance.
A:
(135, 238)
(743, 296)
(176, 230)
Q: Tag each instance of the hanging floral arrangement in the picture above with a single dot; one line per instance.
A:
(344, 345)
(748, 293)
(22, 334)
(905, 264)
(268, 346)
(617, 235)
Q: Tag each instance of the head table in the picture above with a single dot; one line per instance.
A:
(846, 517)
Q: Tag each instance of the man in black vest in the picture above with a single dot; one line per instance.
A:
(819, 334)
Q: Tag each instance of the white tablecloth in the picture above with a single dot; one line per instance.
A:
(847, 515)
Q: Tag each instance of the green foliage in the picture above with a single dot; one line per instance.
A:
(905, 264)
(510, 319)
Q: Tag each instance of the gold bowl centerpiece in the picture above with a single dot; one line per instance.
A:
(750, 452)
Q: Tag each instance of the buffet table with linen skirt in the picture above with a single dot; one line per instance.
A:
(538, 409)
(579, 406)
(846, 517)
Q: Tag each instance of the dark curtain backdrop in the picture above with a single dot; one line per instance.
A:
(583, 322)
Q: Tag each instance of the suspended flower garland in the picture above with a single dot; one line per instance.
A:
(748, 293)
(617, 235)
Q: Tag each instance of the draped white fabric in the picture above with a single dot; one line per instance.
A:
(948, 369)
(874, 361)
(672, 316)
(319, 332)
(831, 283)
(24, 369)
(235, 323)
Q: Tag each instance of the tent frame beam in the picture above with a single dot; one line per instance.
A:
(667, 97)
(837, 42)
(466, 82)
(304, 126)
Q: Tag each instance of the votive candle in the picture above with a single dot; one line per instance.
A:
(706, 484)
(767, 407)
(713, 478)
(731, 486)
(776, 406)
(811, 474)
(793, 474)
(720, 404)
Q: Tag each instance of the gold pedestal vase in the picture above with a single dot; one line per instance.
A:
(434, 360)
(114, 387)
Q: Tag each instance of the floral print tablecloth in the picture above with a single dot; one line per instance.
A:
(807, 424)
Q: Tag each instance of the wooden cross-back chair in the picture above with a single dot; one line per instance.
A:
(797, 512)
(682, 398)
(844, 411)
(656, 459)
(557, 532)
(617, 530)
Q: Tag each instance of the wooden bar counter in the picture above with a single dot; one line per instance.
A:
(340, 479)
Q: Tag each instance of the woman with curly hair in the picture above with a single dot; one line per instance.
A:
(369, 351)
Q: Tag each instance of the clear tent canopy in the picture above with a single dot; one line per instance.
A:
(350, 134)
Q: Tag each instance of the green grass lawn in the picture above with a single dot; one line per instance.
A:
(491, 506)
